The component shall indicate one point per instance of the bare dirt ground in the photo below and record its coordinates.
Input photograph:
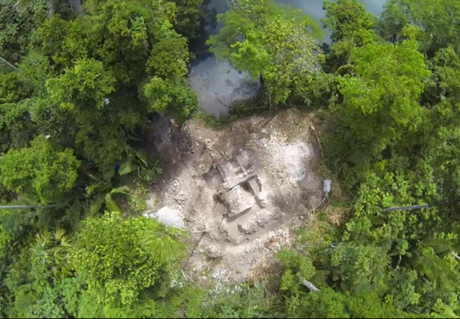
(282, 152)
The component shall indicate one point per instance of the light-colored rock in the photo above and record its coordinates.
(169, 217)
(263, 198)
(181, 197)
(238, 200)
(327, 185)
(261, 219)
(214, 252)
(248, 227)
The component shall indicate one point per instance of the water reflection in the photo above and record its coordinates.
(215, 82)
(218, 85)
(315, 7)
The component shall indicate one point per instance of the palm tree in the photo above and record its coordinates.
(50, 255)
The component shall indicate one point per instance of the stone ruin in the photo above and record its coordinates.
(241, 189)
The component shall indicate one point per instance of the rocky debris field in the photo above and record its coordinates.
(241, 191)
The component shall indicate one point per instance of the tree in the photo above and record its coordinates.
(187, 17)
(346, 18)
(331, 304)
(440, 134)
(326, 302)
(106, 102)
(275, 44)
(352, 26)
(120, 258)
(379, 100)
(74, 95)
(75, 5)
(358, 268)
(112, 267)
(16, 129)
(39, 170)
(77, 92)
(39, 280)
(438, 20)
(17, 31)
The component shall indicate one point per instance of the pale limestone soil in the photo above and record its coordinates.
(282, 151)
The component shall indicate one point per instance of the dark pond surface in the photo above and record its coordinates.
(215, 82)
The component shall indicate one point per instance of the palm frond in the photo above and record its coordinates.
(163, 247)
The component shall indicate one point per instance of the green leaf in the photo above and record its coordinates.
(90, 189)
(97, 204)
(111, 205)
(141, 157)
(439, 245)
(126, 168)
(120, 190)
(109, 201)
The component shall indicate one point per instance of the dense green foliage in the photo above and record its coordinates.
(76, 92)
(391, 145)
(78, 82)
(278, 46)
(389, 107)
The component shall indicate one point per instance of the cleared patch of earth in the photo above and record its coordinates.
(282, 189)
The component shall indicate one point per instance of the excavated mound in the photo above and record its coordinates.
(240, 190)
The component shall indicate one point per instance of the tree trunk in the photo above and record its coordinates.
(52, 8)
(25, 206)
(8, 63)
(310, 286)
(263, 92)
(76, 7)
(393, 209)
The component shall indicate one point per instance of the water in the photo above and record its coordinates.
(315, 7)
(216, 83)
